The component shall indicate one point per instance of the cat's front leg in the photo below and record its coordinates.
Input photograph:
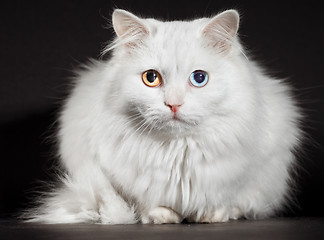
(161, 215)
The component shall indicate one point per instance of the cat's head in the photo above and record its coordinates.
(178, 76)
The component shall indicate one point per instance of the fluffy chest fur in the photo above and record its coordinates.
(188, 174)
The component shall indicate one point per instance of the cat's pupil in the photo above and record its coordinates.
(199, 77)
(151, 76)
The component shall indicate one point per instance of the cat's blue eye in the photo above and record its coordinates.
(198, 78)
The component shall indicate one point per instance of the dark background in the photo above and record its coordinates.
(41, 42)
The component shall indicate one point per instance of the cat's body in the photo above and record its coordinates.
(174, 151)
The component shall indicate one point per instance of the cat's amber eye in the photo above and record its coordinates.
(151, 78)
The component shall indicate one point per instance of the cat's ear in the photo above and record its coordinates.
(128, 27)
(221, 30)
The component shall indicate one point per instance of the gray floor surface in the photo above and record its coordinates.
(276, 228)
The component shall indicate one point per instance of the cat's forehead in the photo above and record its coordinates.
(175, 42)
(176, 29)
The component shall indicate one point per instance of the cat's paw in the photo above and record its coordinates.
(161, 215)
(236, 213)
(222, 215)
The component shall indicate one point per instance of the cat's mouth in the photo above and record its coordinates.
(166, 123)
(175, 118)
(175, 124)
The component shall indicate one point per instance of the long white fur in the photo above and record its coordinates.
(125, 155)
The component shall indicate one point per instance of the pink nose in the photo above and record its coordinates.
(173, 108)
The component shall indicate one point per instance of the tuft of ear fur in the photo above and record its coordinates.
(222, 29)
(129, 28)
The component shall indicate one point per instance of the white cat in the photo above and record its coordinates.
(178, 124)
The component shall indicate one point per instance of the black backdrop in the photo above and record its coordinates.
(42, 41)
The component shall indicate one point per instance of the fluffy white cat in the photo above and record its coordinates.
(178, 124)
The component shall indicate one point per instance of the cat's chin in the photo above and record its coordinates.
(176, 126)
(169, 125)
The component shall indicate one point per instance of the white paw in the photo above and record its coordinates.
(236, 213)
(222, 215)
(161, 215)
